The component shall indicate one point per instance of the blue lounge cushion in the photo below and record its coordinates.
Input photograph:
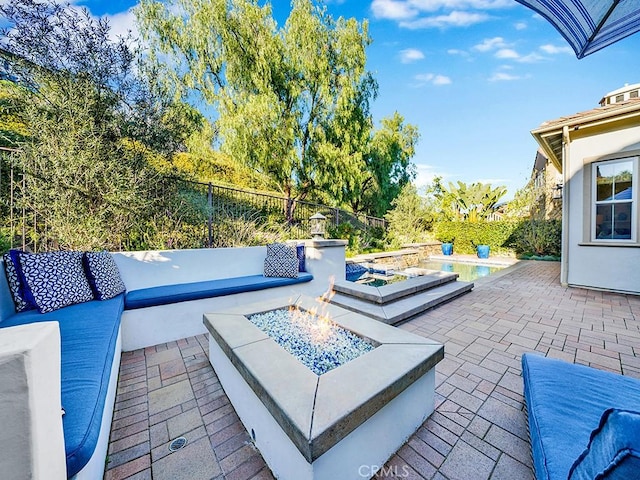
(614, 449)
(88, 335)
(182, 292)
(564, 404)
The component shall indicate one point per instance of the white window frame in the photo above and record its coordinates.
(634, 200)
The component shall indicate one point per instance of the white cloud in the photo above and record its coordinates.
(434, 5)
(520, 26)
(507, 53)
(554, 50)
(504, 77)
(410, 55)
(122, 23)
(533, 57)
(453, 19)
(425, 175)
(455, 51)
(489, 44)
(424, 79)
(393, 9)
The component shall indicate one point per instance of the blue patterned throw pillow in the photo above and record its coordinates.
(103, 275)
(302, 265)
(281, 261)
(15, 280)
(55, 279)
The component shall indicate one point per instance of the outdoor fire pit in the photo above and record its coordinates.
(322, 411)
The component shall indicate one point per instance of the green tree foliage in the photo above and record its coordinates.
(525, 203)
(408, 219)
(291, 101)
(389, 168)
(93, 130)
(471, 202)
(12, 127)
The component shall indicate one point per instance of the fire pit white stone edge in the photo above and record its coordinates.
(343, 424)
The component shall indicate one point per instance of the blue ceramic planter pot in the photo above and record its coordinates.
(447, 248)
(483, 251)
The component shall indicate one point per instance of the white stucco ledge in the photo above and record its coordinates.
(609, 244)
(324, 427)
(31, 438)
(324, 243)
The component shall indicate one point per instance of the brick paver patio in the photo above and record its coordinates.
(478, 430)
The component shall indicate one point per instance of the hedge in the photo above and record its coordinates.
(466, 235)
(524, 237)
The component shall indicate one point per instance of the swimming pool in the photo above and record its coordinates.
(467, 272)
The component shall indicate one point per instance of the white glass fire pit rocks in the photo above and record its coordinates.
(343, 424)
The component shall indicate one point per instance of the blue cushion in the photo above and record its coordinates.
(614, 449)
(565, 403)
(88, 334)
(182, 292)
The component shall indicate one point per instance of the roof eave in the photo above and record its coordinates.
(546, 134)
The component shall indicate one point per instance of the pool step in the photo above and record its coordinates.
(426, 280)
(405, 307)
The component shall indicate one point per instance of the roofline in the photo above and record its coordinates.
(609, 115)
(591, 120)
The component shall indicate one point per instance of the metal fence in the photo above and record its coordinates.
(219, 206)
(228, 203)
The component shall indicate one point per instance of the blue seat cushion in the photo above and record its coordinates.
(614, 449)
(88, 336)
(565, 403)
(182, 292)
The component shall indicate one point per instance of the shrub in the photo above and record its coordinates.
(537, 237)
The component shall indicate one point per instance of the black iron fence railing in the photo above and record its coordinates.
(226, 216)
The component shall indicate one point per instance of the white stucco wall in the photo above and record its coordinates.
(597, 266)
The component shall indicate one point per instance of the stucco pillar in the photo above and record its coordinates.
(31, 438)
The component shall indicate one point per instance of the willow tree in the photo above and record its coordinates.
(290, 101)
(91, 131)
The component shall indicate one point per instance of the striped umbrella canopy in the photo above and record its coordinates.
(589, 25)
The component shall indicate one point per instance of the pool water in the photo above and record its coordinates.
(467, 272)
(377, 281)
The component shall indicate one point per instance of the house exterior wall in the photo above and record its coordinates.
(588, 263)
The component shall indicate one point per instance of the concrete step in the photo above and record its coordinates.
(405, 307)
(426, 280)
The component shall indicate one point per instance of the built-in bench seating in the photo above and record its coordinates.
(93, 333)
(184, 292)
(90, 356)
(584, 423)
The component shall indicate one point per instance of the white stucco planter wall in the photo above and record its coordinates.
(325, 260)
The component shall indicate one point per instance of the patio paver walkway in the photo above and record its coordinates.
(478, 430)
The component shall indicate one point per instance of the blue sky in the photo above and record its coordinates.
(475, 77)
